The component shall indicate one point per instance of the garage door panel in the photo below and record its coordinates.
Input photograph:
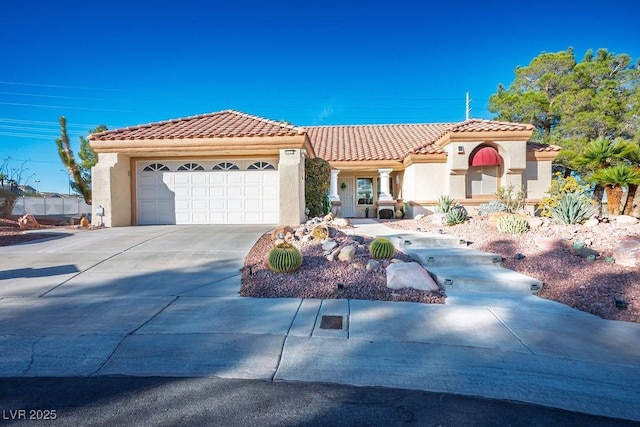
(252, 204)
(235, 204)
(253, 217)
(235, 177)
(252, 192)
(199, 178)
(236, 218)
(182, 178)
(269, 179)
(200, 205)
(202, 197)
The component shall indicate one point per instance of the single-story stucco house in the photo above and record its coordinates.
(230, 167)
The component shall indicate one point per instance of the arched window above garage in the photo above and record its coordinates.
(191, 167)
(226, 166)
(261, 166)
(153, 167)
(485, 156)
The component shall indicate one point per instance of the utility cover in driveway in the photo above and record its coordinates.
(331, 322)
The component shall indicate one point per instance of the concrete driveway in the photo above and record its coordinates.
(163, 301)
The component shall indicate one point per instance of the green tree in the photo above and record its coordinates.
(81, 173)
(572, 103)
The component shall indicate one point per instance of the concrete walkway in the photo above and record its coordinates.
(163, 301)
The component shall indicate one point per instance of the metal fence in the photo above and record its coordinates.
(57, 206)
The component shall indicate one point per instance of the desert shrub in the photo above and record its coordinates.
(381, 248)
(284, 258)
(491, 207)
(7, 201)
(512, 197)
(572, 208)
(513, 224)
(456, 215)
(559, 187)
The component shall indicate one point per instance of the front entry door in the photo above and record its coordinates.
(347, 196)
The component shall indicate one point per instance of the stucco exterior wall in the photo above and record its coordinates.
(538, 178)
(291, 197)
(425, 181)
(111, 183)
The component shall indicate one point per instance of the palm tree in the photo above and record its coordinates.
(614, 179)
(601, 154)
(633, 198)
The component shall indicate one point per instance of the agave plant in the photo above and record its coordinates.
(572, 208)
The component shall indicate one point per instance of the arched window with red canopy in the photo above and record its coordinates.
(484, 171)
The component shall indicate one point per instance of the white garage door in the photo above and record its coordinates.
(207, 192)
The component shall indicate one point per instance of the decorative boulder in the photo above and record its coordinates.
(627, 253)
(347, 253)
(329, 245)
(410, 275)
(28, 222)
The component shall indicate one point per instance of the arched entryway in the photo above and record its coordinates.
(483, 175)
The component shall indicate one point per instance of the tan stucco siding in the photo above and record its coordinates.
(111, 183)
(537, 178)
(291, 176)
(425, 181)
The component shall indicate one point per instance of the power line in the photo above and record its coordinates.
(58, 86)
(51, 96)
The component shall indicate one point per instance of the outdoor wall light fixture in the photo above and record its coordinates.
(431, 259)
(448, 282)
(460, 149)
(289, 152)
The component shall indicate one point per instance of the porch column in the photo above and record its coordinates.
(384, 184)
(333, 187)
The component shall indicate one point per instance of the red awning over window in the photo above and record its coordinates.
(486, 156)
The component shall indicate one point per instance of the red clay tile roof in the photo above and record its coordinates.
(375, 142)
(534, 146)
(480, 125)
(227, 123)
(394, 141)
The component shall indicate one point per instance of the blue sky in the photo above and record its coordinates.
(122, 63)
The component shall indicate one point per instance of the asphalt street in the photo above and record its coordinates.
(154, 401)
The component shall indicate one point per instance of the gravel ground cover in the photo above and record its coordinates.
(569, 279)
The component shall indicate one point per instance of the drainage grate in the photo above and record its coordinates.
(331, 322)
